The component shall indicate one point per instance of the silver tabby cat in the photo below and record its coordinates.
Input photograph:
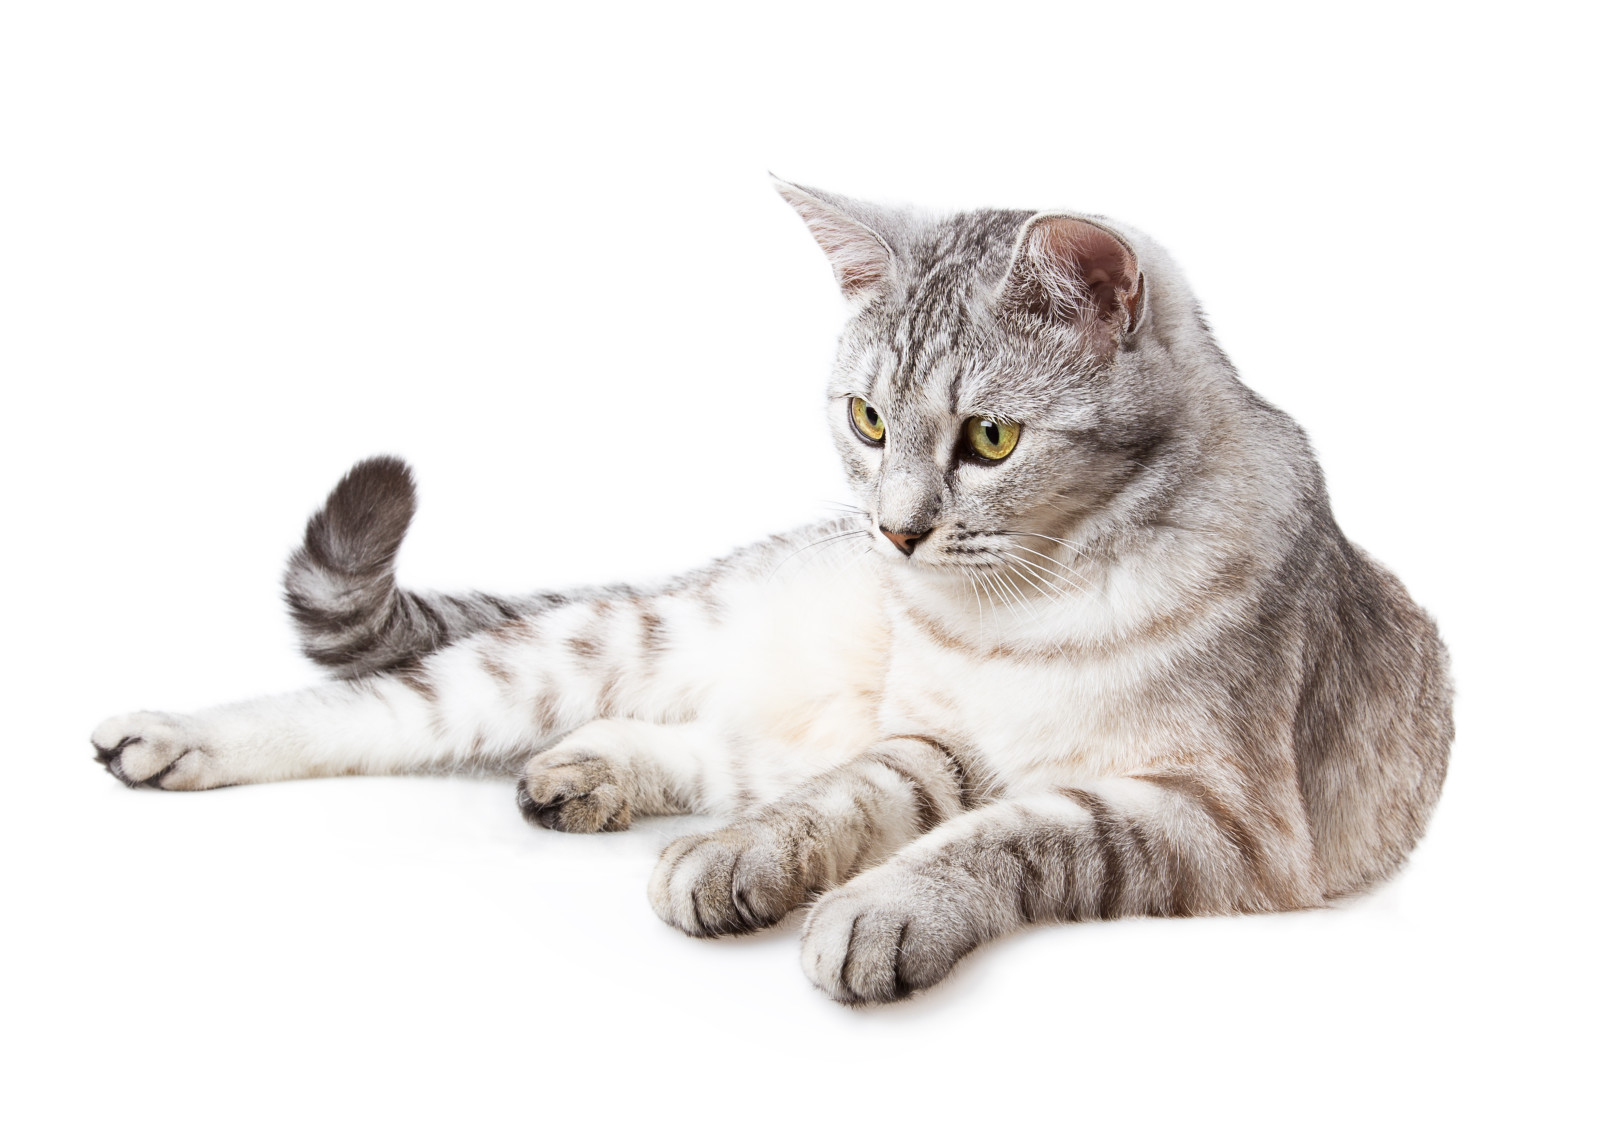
(1110, 654)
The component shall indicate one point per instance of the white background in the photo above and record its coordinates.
(537, 254)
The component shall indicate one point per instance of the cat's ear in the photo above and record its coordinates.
(860, 257)
(1079, 274)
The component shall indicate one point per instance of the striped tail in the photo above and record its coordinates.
(341, 589)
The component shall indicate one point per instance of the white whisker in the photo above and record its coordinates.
(1071, 574)
(1047, 589)
(812, 545)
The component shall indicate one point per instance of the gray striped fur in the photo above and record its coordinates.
(340, 584)
(1133, 669)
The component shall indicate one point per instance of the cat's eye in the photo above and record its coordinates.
(992, 439)
(868, 420)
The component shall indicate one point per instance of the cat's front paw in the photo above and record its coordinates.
(733, 880)
(155, 749)
(574, 792)
(886, 934)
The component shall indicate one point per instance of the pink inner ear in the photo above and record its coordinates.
(1091, 260)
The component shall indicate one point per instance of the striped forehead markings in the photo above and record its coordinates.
(935, 315)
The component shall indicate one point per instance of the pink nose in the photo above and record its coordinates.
(905, 542)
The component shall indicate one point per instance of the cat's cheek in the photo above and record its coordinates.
(887, 934)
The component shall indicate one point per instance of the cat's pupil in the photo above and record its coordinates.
(991, 432)
(872, 416)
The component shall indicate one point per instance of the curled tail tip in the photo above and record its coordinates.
(340, 581)
(361, 525)
(381, 483)
(353, 540)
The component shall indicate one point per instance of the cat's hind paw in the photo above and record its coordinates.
(574, 792)
(882, 937)
(153, 749)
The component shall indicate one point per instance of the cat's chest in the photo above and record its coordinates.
(1029, 718)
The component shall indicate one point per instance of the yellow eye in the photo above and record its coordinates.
(868, 421)
(992, 439)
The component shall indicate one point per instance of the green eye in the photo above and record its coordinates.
(868, 421)
(991, 438)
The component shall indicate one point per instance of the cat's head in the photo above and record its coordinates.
(1004, 384)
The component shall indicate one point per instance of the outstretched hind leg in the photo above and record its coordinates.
(606, 773)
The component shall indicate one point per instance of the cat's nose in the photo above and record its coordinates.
(905, 542)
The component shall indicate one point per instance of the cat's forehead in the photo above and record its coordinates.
(945, 278)
(957, 383)
(931, 342)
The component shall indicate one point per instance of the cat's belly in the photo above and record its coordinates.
(799, 671)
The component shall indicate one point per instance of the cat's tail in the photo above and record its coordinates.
(340, 584)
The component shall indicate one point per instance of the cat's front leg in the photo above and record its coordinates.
(752, 872)
(1160, 844)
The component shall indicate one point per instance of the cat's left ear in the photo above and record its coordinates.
(1079, 274)
(860, 257)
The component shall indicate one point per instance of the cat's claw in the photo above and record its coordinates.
(731, 881)
(151, 749)
(574, 793)
(883, 937)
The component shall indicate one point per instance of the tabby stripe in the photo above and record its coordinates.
(928, 813)
(436, 625)
(1228, 824)
(507, 612)
(546, 714)
(315, 614)
(418, 680)
(1030, 880)
(959, 769)
(494, 667)
(869, 826)
(650, 637)
(1147, 858)
(1106, 826)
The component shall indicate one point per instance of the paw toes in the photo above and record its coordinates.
(148, 750)
(108, 755)
(724, 883)
(574, 798)
(865, 947)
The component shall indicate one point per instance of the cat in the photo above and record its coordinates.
(1092, 645)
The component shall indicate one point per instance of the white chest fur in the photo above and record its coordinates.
(1032, 712)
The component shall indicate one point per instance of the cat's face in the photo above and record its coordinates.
(981, 402)
(967, 463)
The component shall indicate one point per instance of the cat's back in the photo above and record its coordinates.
(1374, 723)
